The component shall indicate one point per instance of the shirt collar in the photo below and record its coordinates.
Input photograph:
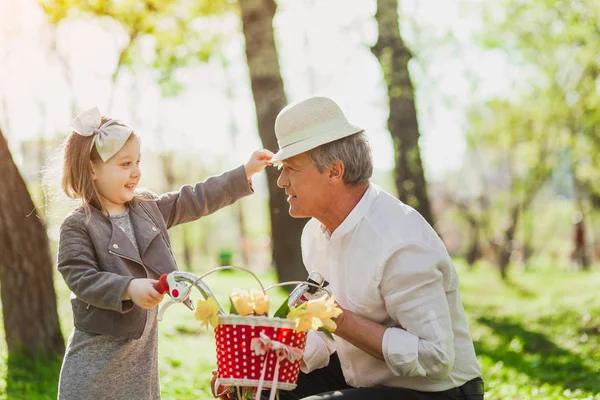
(357, 213)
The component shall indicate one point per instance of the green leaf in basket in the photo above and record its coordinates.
(282, 311)
(232, 309)
(326, 332)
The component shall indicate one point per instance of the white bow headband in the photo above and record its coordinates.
(109, 137)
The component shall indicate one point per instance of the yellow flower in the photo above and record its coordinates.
(207, 312)
(260, 302)
(324, 307)
(304, 319)
(329, 325)
(241, 300)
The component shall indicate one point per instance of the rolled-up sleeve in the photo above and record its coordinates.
(412, 285)
(77, 264)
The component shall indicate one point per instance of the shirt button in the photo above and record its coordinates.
(154, 229)
(115, 246)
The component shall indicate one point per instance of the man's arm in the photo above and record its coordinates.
(363, 333)
(422, 343)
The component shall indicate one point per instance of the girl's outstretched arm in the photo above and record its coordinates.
(192, 202)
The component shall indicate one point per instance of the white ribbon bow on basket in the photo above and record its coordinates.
(263, 345)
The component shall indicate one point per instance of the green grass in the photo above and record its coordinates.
(537, 337)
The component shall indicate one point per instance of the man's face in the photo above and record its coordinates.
(117, 178)
(306, 187)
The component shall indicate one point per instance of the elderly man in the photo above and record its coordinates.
(403, 333)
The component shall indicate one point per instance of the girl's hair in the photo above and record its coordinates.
(76, 181)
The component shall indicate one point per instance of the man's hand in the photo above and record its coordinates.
(221, 392)
(339, 321)
(142, 293)
(259, 160)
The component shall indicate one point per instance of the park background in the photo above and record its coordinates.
(482, 114)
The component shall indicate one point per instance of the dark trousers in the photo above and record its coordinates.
(329, 383)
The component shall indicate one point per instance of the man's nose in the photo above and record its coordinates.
(283, 181)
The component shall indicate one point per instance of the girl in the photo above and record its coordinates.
(114, 247)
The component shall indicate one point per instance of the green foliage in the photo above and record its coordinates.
(326, 332)
(556, 44)
(522, 147)
(522, 141)
(232, 309)
(283, 310)
(539, 136)
(178, 32)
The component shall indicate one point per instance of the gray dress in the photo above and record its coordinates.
(108, 367)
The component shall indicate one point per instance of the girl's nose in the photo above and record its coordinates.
(135, 171)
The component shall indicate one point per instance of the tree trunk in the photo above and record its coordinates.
(581, 246)
(504, 261)
(269, 99)
(505, 250)
(393, 56)
(528, 248)
(28, 297)
(474, 252)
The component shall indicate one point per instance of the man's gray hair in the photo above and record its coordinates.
(354, 151)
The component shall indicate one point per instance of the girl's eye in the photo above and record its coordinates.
(127, 164)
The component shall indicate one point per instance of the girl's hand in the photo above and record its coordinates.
(259, 160)
(143, 294)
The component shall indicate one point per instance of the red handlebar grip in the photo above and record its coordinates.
(162, 286)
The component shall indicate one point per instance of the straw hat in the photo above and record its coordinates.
(309, 123)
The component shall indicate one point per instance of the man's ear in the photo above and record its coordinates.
(336, 172)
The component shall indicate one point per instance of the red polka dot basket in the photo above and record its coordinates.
(249, 348)
(252, 351)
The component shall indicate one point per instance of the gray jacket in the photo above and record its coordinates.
(97, 259)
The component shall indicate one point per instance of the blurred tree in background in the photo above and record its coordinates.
(544, 135)
(269, 99)
(28, 298)
(523, 147)
(177, 32)
(393, 56)
(558, 41)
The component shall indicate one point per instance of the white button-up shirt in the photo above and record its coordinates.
(386, 263)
